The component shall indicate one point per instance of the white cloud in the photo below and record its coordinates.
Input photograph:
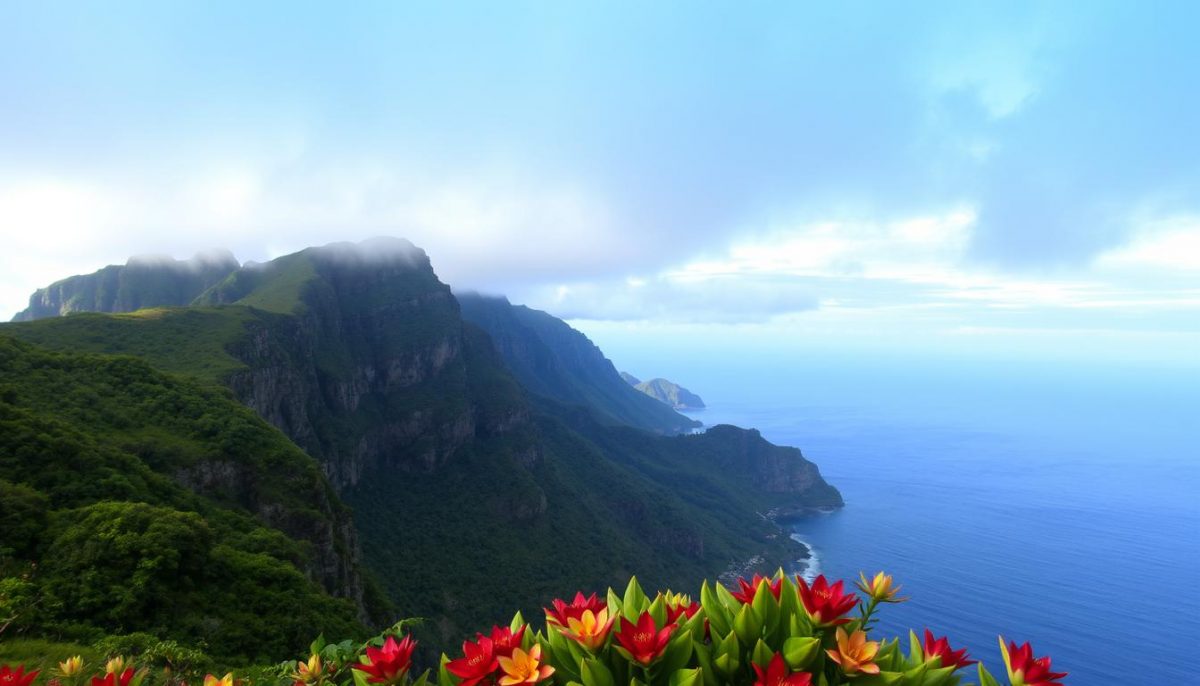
(1171, 244)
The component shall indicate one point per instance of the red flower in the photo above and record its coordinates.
(505, 640)
(940, 648)
(1024, 670)
(389, 664)
(776, 674)
(18, 677)
(478, 661)
(644, 642)
(562, 611)
(825, 603)
(749, 588)
(109, 679)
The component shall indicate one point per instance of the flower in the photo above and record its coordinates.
(561, 611)
(750, 588)
(679, 605)
(825, 603)
(940, 648)
(644, 642)
(504, 639)
(477, 663)
(113, 679)
(210, 680)
(524, 668)
(71, 666)
(115, 665)
(590, 630)
(309, 672)
(879, 588)
(17, 677)
(1024, 670)
(389, 664)
(777, 674)
(855, 653)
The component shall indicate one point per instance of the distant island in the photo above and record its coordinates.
(665, 391)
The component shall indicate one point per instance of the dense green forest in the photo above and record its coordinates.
(134, 501)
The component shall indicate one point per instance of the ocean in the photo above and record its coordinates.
(1051, 502)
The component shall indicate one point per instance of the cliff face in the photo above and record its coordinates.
(369, 369)
(141, 282)
(551, 359)
(670, 393)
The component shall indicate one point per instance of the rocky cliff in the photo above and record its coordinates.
(670, 393)
(144, 281)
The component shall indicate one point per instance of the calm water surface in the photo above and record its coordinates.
(1045, 502)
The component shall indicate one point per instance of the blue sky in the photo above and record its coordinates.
(1006, 175)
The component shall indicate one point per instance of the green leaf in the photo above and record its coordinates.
(916, 654)
(766, 607)
(444, 678)
(985, 678)
(799, 651)
(762, 654)
(678, 651)
(594, 673)
(704, 657)
(658, 611)
(686, 677)
(317, 645)
(746, 625)
(719, 618)
(635, 600)
(516, 622)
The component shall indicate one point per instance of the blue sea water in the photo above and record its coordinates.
(1054, 502)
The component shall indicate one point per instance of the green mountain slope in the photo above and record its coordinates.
(551, 359)
(161, 505)
(473, 489)
(141, 282)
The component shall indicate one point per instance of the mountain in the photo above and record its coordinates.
(671, 394)
(551, 359)
(141, 501)
(145, 281)
(488, 457)
(630, 379)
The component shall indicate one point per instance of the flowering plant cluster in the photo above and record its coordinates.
(776, 631)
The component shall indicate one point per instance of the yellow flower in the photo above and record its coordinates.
(522, 667)
(854, 654)
(115, 665)
(879, 588)
(308, 672)
(590, 630)
(226, 680)
(71, 666)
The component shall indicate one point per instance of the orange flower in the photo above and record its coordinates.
(524, 668)
(310, 672)
(590, 630)
(855, 653)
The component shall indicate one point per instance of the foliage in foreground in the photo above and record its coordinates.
(766, 632)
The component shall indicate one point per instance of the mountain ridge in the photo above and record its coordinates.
(363, 358)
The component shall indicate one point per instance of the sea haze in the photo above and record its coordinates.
(1048, 502)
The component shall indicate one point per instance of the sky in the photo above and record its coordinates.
(951, 176)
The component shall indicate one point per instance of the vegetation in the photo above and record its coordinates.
(775, 631)
(101, 535)
(461, 476)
